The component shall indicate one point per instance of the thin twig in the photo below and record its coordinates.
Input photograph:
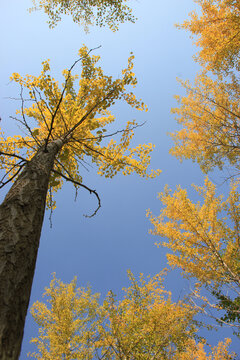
(115, 133)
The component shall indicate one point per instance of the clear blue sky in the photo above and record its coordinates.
(101, 249)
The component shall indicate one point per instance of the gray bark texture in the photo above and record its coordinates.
(21, 218)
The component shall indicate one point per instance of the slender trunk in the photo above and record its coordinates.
(21, 218)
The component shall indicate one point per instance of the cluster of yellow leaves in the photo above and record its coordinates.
(204, 242)
(218, 33)
(87, 12)
(197, 352)
(209, 115)
(145, 325)
(210, 112)
(78, 115)
(67, 322)
(10, 145)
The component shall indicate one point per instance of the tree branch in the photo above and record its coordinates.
(85, 187)
(87, 114)
(2, 184)
(114, 133)
(13, 155)
(25, 121)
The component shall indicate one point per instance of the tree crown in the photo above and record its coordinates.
(209, 116)
(78, 117)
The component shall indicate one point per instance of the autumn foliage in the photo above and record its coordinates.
(204, 236)
(67, 126)
(216, 32)
(86, 12)
(209, 119)
(204, 242)
(146, 324)
(209, 113)
(77, 115)
(64, 127)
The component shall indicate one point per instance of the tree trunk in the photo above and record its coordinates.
(21, 218)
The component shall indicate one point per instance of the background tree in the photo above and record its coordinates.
(217, 31)
(205, 237)
(64, 128)
(209, 117)
(209, 114)
(87, 12)
(204, 243)
(146, 324)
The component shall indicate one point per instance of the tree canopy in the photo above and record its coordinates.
(209, 113)
(204, 243)
(217, 31)
(87, 12)
(78, 116)
(146, 324)
(209, 119)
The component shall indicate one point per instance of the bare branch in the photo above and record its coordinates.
(85, 187)
(114, 133)
(17, 99)
(2, 184)
(51, 206)
(13, 155)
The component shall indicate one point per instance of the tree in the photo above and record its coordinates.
(86, 12)
(205, 244)
(210, 120)
(145, 324)
(205, 238)
(217, 30)
(209, 113)
(64, 128)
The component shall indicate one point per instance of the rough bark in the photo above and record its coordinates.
(21, 218)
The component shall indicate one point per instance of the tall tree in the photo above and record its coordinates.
(209, 114)
(144, 325)
(87, 12)
(65, 127)
(204, 236)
